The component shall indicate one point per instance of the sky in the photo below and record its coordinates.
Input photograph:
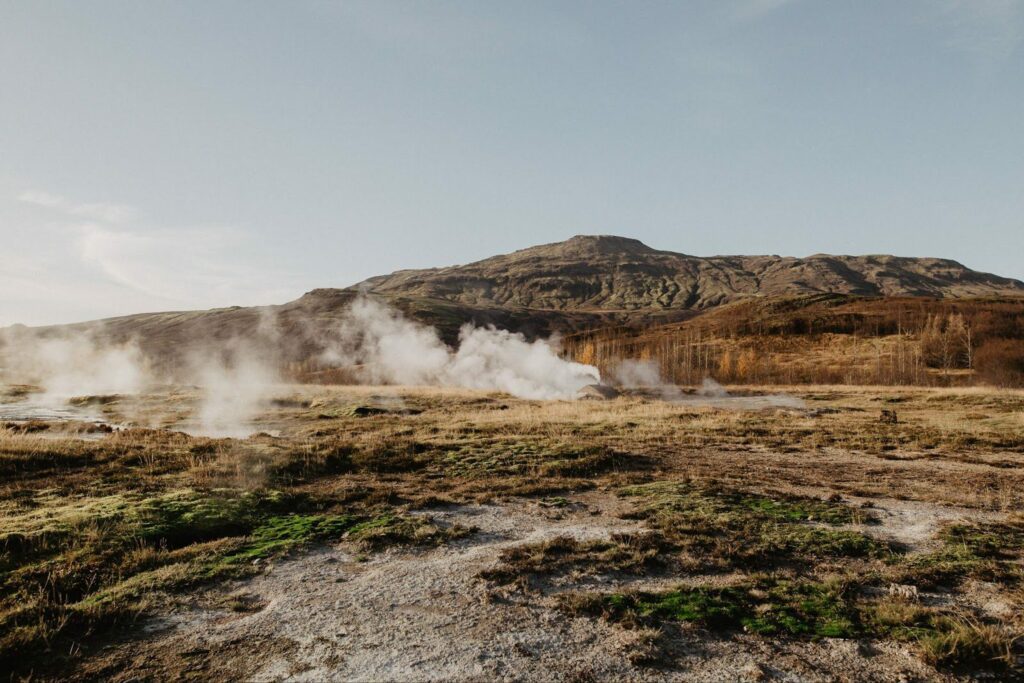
(194, 154)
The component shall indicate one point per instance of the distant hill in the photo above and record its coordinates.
(607, 273)
(583, 283)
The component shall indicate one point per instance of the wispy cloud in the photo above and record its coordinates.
(100, 259)
(98, 211)
(187, 266)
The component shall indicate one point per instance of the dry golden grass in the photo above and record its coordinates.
(91, 524)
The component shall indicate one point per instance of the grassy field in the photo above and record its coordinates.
(787, 524)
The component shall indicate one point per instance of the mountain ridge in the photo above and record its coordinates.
(607, 272)
(583, 283)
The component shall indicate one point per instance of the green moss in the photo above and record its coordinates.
(990, 552)
(283, 533)
(402, 530)
(709, 500)
(187, 517)
(768, 607)
(712, 528)
(994, 540)
(809, 542)
(730, 528)
(68, 568)
(544, 460)
(564, 554)
(808, 609)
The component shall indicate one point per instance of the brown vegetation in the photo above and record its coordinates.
(828, 339)
(592, 282)
(97, 530)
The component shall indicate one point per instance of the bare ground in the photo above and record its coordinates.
(332, 614)
(423, 610)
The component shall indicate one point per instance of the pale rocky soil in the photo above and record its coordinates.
(331, 614)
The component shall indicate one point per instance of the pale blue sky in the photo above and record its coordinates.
(168, 155)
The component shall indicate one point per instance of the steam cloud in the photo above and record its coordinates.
(645, 374)
(386, 348)
(236, 384)
(378, 344)
(709, 388)
(637, 374)
(71, 364)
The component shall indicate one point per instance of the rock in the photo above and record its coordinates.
(904, 592)
(597, 392)
(754, 672)
(97, 400)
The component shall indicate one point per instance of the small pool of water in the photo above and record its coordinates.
(28, 412)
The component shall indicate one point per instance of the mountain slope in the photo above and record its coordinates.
(586, 282)
(620, 274)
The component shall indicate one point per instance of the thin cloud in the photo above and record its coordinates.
(111, 264)
(98, 211)
(50, 201)
(187, 266)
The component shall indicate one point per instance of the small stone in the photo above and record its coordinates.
(905, 592)
(754, 672)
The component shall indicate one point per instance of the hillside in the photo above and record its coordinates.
(610, 273)
(584, 283)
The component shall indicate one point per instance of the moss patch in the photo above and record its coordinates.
(774, 606)
(70, 568)
(725, 528)
(767, 606)
(990, 552)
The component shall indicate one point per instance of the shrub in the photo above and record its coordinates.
(1001, 362)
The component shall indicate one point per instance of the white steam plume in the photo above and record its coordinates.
(72, 364)
(645, 374)
(237, 379)
(636, 374)
(235, 386)
(237, 375)
(712, 389)
(385, 347)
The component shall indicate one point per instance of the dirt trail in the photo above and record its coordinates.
(421, 616)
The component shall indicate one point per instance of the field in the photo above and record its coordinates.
(390, 532)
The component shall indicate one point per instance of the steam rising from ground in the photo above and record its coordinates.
(237, 376)
(236, 385)
(387, 348)
(637, 374)
(71, 364)
(375, 343)
(644, 374)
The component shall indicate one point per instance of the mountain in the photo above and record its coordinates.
(607, 273)
(583, 283)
